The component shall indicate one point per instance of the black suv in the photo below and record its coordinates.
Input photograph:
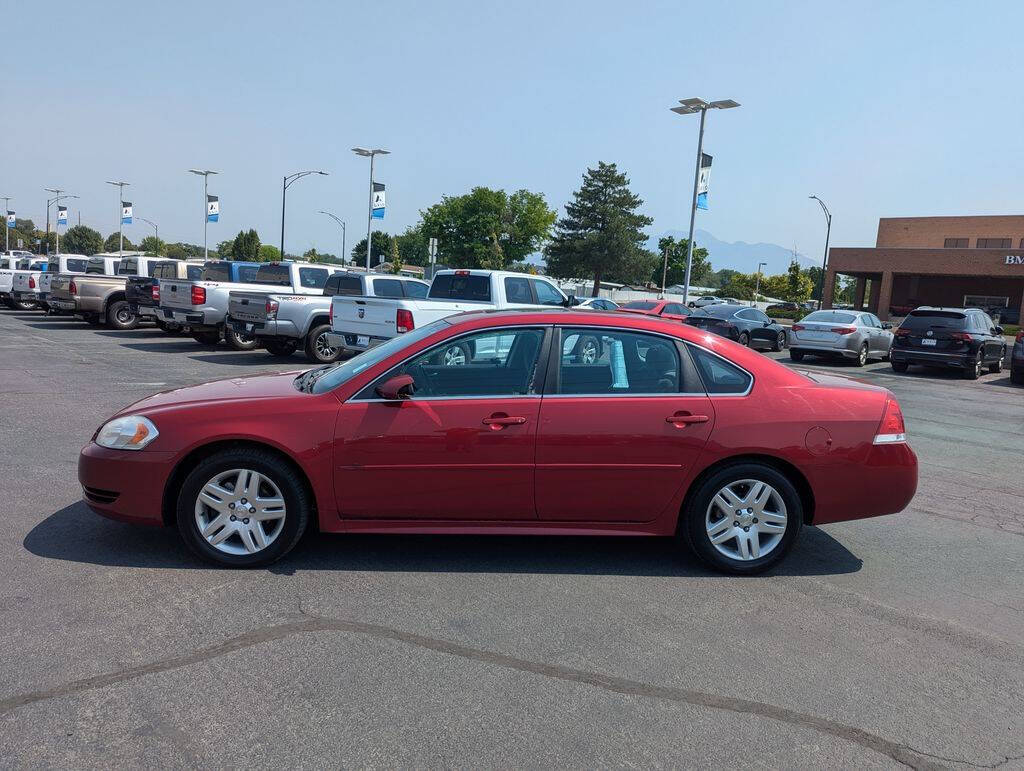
(965, 338)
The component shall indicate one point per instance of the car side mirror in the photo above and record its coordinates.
(571, 301)
(397, 388)
(886, 325)
(997, 330)
(770, 322)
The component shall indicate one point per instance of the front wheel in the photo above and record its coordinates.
(862, 356)
(997, 366)
(239, 341)
(120, 316)
(780, 342)
(1017, 375)
(743, 518)
(242, 507)
(898, 366)
(744, 339)
(317, 348)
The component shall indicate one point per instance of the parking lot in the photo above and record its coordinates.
(876, 643)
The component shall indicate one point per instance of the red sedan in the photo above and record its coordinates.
(670, 431)
(663, 309)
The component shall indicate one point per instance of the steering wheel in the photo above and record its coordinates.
(419, 376)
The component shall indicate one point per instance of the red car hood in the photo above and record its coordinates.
(268, 386)
(840, 381)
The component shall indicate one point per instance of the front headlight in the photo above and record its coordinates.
(132, 432)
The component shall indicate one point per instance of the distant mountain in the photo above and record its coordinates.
(739, 255)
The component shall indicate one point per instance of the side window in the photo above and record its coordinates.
(546, 294)
(387, 287)
(193, 272)
(312, 278)
(762, 317)
(598, 361)
(746, 314)
(500, 362)
(128, 267)
(517, 290)
(415, 289)
(719, 376)
(674, 309)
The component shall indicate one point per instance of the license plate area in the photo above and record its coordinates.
(363, 340)
(929, 342)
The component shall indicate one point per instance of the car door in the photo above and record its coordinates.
(618, 434)
(460, 448)
(762, 331)
(993, 343)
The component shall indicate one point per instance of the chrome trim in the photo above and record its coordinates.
(663, 395)
(446, 398)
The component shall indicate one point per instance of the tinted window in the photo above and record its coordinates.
(247, 274)
(278, 275)
(719, 376)
(675, 309)
(95, 266)
(164, 269)
(313, 278)
(415, 289)
(934, 319)
(517, 290)
(746, 314)
(640, 305)
(217, 271)
(500, 362)
(77, 266)
(610, 361)
(344, 284)
(455, 286)
(387, 287)
(717, 311)
(831, 317)
(194, 272)
(759, 316)
(546, 294)
(129, 267)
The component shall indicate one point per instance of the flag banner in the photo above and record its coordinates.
(703, 180)
(126, 212)
(10, 219)
(62, 215)
(212, 208)
(378, 201)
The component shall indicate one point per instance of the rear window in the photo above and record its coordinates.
(717, 311)
(831, 317)
(95, 267)
(934, 319)
(194, 272)
(452, 286)
(217, 271)
(415, 289)
(639, 305)
(167, 269)
(74, 266)
(387, 287)
(278, 275)
(350, 286)
(719, 376)
(247, 274)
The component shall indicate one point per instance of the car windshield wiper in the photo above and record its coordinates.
(306, 380)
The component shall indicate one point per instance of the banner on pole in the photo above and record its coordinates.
(432, 251)
(62, 215)
(703, 180)
(212, 208)
(377, 208)
(10, 219)
(126, 212)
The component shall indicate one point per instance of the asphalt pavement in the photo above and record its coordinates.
(896, 641)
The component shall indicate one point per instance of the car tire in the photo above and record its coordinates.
(239, 342)
(973, 370)
(281, 348)
(796, 355)
(743, 339)
(120, 316)
(207, 337)
(862, 356)
(1017, 375)
(997, 366)
(588, 350)
(780, 342)
(898, 366)
(316, 347)
(18, 305)
(276, 477)
(454, 355)
(703, 519)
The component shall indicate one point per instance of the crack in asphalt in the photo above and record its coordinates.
(900, 753)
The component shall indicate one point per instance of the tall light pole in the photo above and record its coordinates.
(687, 107)
(156, 233)
(342, 223)
(120, 217)
(284, 190)
(824, 259)
(366, 153)
(757, 287)
(205, 174)
(7, 228)
(57, 198)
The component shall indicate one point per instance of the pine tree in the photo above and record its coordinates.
(601, 235)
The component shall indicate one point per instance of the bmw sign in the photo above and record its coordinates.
(1015, 259)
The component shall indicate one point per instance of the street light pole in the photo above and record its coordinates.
(205, 174)
(688, 107)
(120, 219)
(58, 197)
(371, 154)
(156, 233)
(757, 287)
(7, 228)
(342, 223)
(285, 184)
(824, 259)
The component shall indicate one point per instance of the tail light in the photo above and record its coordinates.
(798, 327)
(73, 287)
(961, 337)
(1020, 337)
(330, 315)
(271, 309)
(844, 330)
(198, 295)
(892, 429)
(31, 282)
(403, 320)
(155, 292)
(462, 273)
(901, 332)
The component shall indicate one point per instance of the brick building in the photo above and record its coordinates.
(950, 261)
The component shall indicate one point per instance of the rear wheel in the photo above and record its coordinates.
(120, 316)
(239, 341)
(282, 348)
(780, 342)
(862, 356)
(243, 507)
(743, 518)
(796, 355)
(24, 306)
(898, 366)
(997, 366)
(207, 337)
(973, 370)
(744, 339)
(317, 348)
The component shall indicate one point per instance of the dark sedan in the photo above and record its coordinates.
(747, 326)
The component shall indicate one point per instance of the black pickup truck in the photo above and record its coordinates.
(143, 292)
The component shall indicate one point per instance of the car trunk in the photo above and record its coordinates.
(940, 331)
(817, 332)
(710, 323)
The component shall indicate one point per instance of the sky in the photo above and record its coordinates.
(881, 109)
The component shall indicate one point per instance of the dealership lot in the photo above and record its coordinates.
(886, 641)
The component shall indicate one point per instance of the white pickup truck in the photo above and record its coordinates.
(11, 268)
(283, 322)
(203, 305)
(71, 264)
(358, 323)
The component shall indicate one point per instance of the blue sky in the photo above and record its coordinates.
(882, 109)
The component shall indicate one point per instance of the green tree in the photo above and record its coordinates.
(798, 283)
(182, 251)
(151, 245)
(246, 245)
(82, 239)
(312, 255)
(113, 243)
(775, 286)
(739, 286)
(268, 253)
(601, 235)
(395, 258)
(413, 245)
(381, 249)
(700, 267)
(224, 248)
(487, 227)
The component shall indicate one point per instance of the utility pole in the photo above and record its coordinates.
(824, 259)
(285, 184)
(371, 154)
(205, 174)
(7, 227)
(757, 287)
(120, 214)
(342, 223)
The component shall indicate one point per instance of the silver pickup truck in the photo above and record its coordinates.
(283, 323)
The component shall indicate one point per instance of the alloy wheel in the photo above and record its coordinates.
(240, 511)
(862, 357)
(746, 520)
(323, 350)
(454, 357)
(123, 316)
(588, 352)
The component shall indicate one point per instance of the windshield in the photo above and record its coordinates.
(831, 316)
(346, 370)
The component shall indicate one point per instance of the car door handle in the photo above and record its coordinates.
(685, 418)
(500, 421)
